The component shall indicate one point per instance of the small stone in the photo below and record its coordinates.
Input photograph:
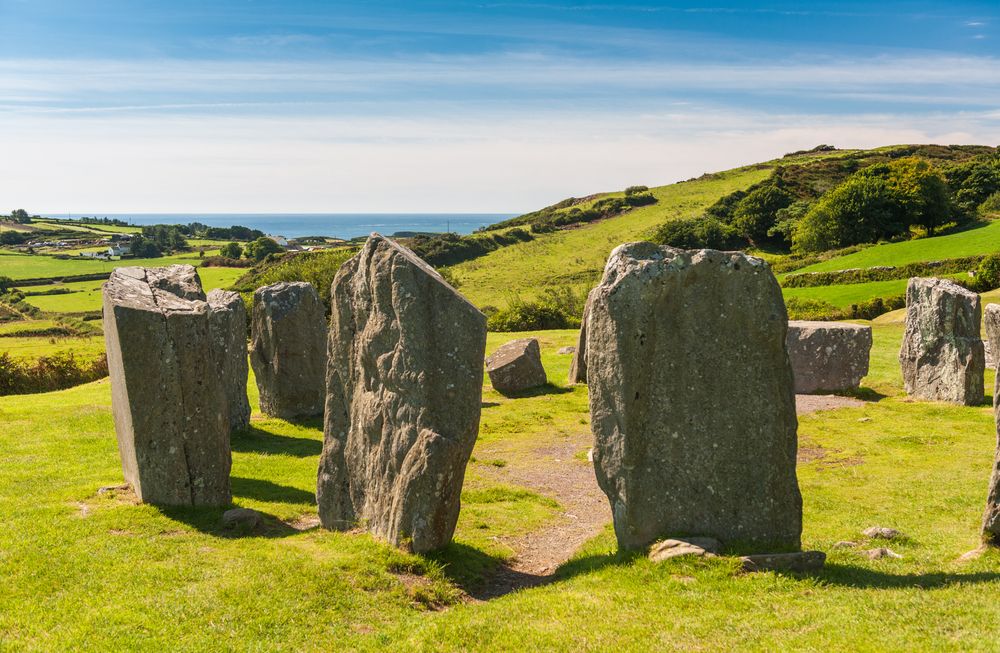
(881, 533)
(703, 547)
(241, 518)
(881, 552)
(566, 350)
(845, 544)
(113, 488)
(972, 555)
(516, 366)
(800, 561)
(829, 356)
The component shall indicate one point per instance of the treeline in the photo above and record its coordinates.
(568, 212)
(855, 199)
(47, 373)
(449, 249)
(235, 232)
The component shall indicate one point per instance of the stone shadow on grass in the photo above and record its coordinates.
(483, 576)
(257, 440)
(261, 490)
(864, 578)
(209, 521)
(547, 389)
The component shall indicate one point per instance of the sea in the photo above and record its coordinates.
(336, 225)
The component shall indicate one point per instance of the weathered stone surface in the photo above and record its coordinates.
(691, 398)
(802, 561)
(879, 553)
(241, 518)
(288, 349)
(516, 366)
(578, 366)
(881, 533)
(228, 323)
(404, 393)
(562, 351)
(687, 546)
(991, 517)
(942, 355)
(167, 397)
(828, 356)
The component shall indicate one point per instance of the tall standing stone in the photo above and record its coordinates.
(167, 397)
(404, 393)
(578, 366)
(828, 356)
(691, 398)
(942, 355)
(288, 349)
(991, 518)
(228, 322)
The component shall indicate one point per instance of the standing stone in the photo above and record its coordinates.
(228, 322)
(404, 393)
(578, 366)
(167, 397)
(991, 519)
(516, 366)
(288, 349)
(942, 355)
(828, 356)
(992, 322)
(691, 398)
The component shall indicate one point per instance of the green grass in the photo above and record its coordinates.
(85, 571)
(84, 347)
(86, 295)
(26, 266)
(981, 240)
(575, 257)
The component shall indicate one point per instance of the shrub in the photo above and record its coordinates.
(231, 251)
(991, 204)
(449, 249)
(317, 268)
(48, 373)
(557, 308)
(697, 233)
(261, 248)
(635, 190)
(988, 273)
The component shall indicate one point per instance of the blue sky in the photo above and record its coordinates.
(461, 106)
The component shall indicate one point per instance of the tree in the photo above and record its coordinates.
(20, 215)
(6, 283)
(259, 249)
(142, 247)
(756, 213)
(922, 193)
(231, 250)
(861, 210)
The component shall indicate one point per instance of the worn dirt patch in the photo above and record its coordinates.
(805, 404)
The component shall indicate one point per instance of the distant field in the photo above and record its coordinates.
(25, 266)
(88, 347)
(86, 295)
(981, 240)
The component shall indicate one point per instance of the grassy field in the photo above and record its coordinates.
(96, 571)
(575, 257)
(84, 347)
(86, 295)
(26, 266)
(981, 240)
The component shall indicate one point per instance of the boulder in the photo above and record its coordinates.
(228, 323)
(942, 356)
(828, 356)
(800, 561)
(882, 533)
(288, 349)
(516, 366)
(578, 365)
(404, 394)
(167, 396)
(691, 398)
(244, 518)
(991, 517)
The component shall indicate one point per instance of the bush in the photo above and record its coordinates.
(231, 250)
(317, 268)
(881, 273)
(48, 373)
(261, 248)
(557, 308)
(803, 308)
(991, 204)
(988, 273)
(223, 262)
(696, 233)
(449, 249)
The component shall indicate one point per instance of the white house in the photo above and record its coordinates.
(279, 239)
(119, 250)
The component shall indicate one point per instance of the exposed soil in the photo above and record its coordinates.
(556, 470)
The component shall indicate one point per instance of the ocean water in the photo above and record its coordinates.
(338, 225)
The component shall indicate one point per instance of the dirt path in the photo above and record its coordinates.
(556, 471)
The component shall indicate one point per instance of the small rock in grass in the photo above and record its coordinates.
(241, 517)
(113, 488)
(881, 552)
(702, 547)
(881, 533)
(566, 350)
(972, 555)
(801, 561)
(845, 544)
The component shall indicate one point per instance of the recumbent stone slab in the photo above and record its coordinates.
(991, 517)
(942, 355)
(404, 394)
(828, 356)
(168, 397)
(228, 322)
(691, 398)
(288, 349)
(516, 366)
